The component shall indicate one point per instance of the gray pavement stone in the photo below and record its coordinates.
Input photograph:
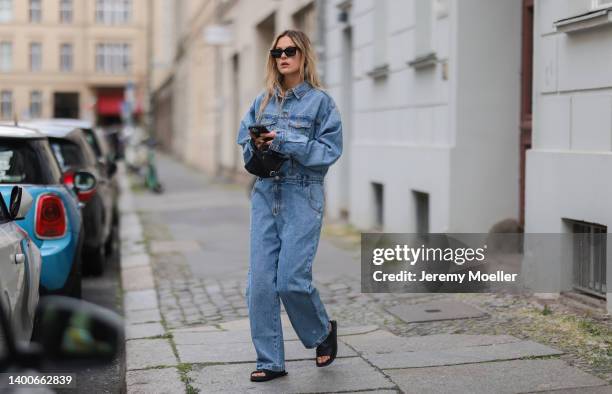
(382, 341)
(149, 353)
(135, 260)
(145, 330)
(516, 376)
(137, 278)
(245, 352)
(345, 375)
(607, 389)
(207, 334)
(140, 299)
(154, 381)
(462, 355)
(435, 310)
(132, 248)
(179, 246)
(132, 230)
(142, 316)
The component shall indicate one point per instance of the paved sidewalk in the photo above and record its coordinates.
(184, 267)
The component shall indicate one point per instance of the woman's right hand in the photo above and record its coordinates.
(260, 142)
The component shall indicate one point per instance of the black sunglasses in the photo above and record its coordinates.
(278, 52)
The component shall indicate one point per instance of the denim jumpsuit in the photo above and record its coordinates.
(286, 218)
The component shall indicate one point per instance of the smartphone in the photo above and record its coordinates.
(258, 129)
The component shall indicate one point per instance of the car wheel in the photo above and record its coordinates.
(96, 260)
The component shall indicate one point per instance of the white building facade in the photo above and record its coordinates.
(429, 96)
(569, 168)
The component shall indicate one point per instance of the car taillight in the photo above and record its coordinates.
(50, 217)
(68, 179)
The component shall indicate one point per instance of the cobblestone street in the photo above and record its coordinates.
(196, 237)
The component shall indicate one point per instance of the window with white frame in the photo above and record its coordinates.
(66, 57)
(6, 104)
(113, 12)
(35, 56)
(380, 32)
(35, 104)
(6, 10)
(66, 11)
(113, 58)
(35, 11)
(600, 4)
(423, 28)
(6, 56)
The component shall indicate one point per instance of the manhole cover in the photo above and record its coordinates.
(435, 310)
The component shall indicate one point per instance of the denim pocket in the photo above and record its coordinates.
(300, 124)
(316, 197)
(268, 120)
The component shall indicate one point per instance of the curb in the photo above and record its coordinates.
(150, 361)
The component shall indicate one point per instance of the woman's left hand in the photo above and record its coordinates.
(268, 137)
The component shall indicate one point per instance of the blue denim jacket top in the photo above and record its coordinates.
(308, 130)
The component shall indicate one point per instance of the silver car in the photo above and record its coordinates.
(20, 265)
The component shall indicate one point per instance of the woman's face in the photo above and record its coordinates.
(288, 65)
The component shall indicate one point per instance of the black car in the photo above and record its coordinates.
(74, 153)
(106, 160)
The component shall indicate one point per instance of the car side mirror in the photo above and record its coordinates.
(84, 182)
(20, 203)
(75, 332)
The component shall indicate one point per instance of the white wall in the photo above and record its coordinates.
(450, 130)
(569, 167)
(485, 160)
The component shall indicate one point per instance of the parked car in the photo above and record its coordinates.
(74, 335)
(74, 153)
(55, 223)
(106, 163)
(20, 264)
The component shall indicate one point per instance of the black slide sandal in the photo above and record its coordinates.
(269, 375)
(329, 347)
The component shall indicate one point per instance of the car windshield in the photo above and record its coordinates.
(19, 163)
(68, 154)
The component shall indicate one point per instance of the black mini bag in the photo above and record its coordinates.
(264, 163)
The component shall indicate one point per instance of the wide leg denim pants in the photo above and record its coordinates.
(286, 218)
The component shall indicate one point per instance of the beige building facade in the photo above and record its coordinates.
(206, 83)
(69, 58)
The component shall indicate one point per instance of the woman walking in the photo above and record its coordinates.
(286, 209)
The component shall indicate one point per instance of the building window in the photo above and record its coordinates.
(6, 10)
(35, 56)
(6, 56)
(421, 203)
(66, 57)
(306, 19)
(113, 12)
(600, 4)
(423, 29)
(6, 104)
(380, 33)
(35, 11)
(66, 11)
(35, 104)
(113, 58)
(379, 204)
(589, 257)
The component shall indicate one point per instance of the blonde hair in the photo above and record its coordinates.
(308, 66)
